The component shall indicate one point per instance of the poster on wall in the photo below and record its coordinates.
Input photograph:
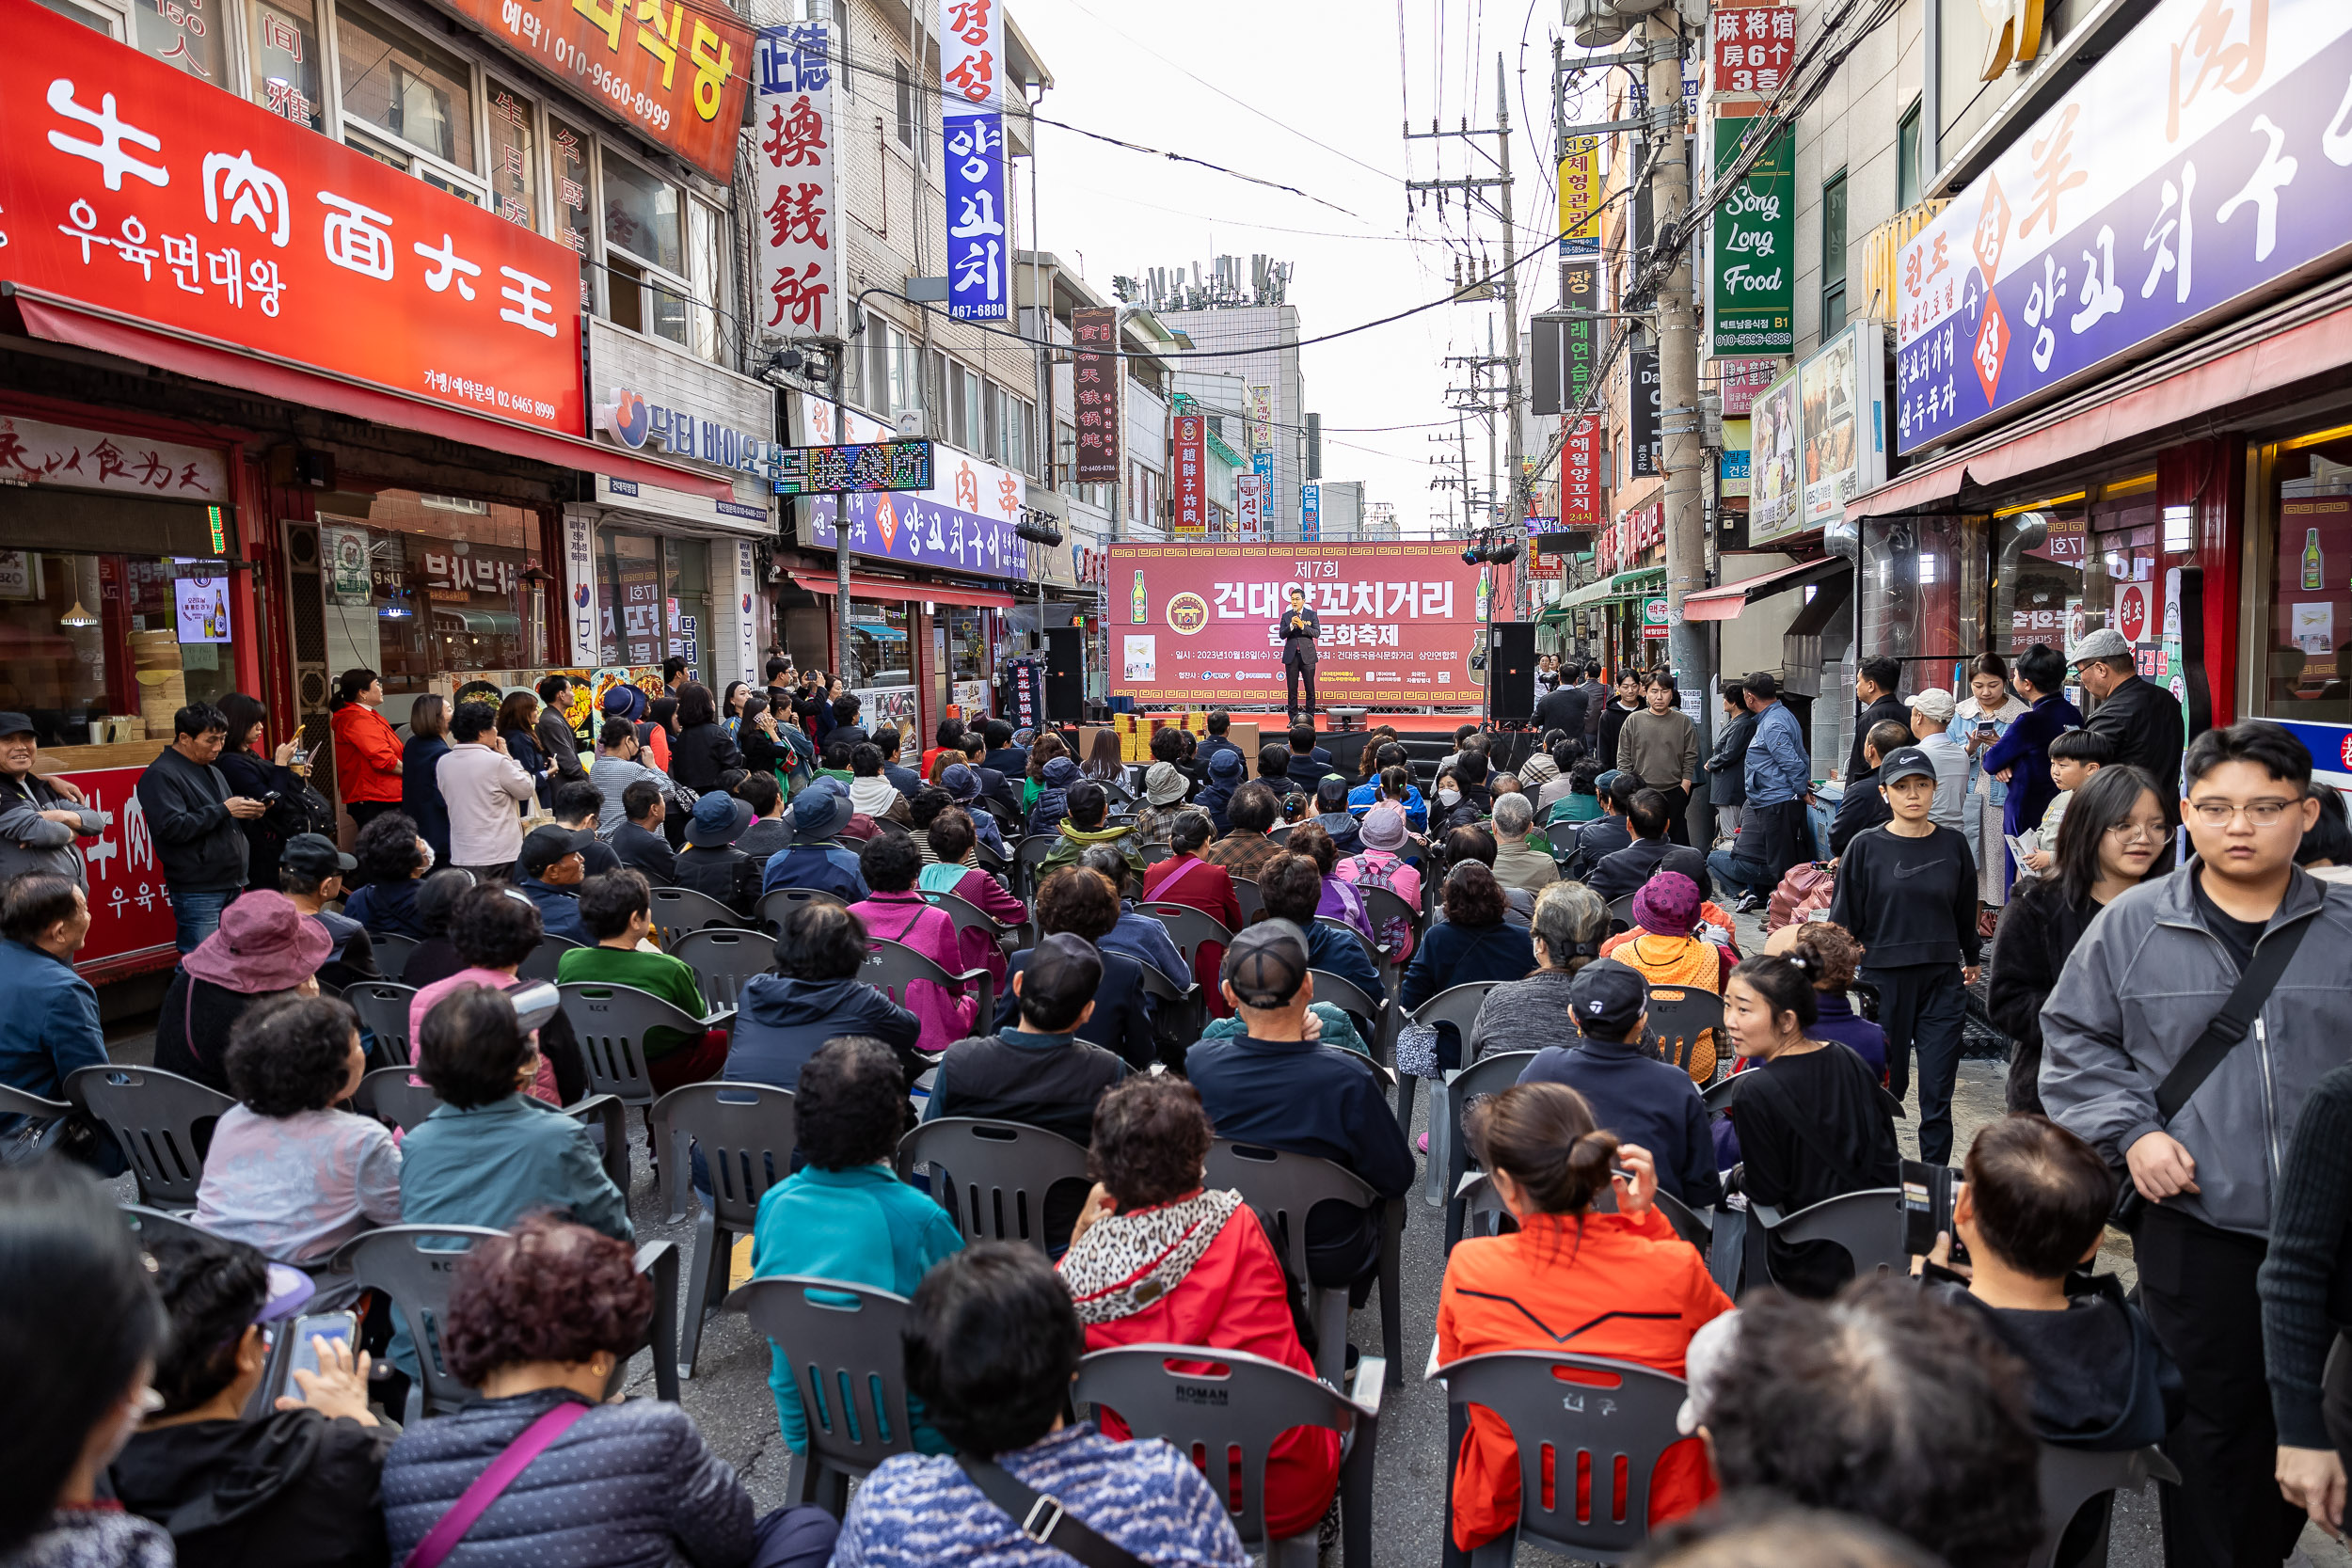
(345, 547)
(2314, 576)
(1842, 389)
(19, 575)
(1774, 464)
(203, 603)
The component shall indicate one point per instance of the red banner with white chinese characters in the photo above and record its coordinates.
(130, 919)
(135, 188)
(800, 262)
(1191, 488)
(1095, 375)
(672, 71)
(1579, 477)
(1751, 48)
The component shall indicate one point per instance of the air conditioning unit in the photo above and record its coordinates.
(914, 425)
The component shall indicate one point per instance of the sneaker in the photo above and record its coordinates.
(1747, 904)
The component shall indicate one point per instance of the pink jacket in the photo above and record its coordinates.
(484, 790)
(987, 894)
(907, 920)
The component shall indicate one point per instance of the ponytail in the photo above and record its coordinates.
(1784, 982)
(1543, 1135)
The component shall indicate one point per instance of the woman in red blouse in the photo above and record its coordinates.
(367, 749)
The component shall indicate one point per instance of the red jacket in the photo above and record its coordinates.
(1627, 1290)
(1208, 887)
(367, 754)
(1234, 1299)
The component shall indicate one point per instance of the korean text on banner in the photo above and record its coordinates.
(1580, 197)
(963, 522)
(579, 586)
(1751, 50)
(673, 70)
(972, 125)
(800, 260)
(135, 188)
(1753, 259)
(1191, 488)
(1311, 513)
(1643, 458)
(1399, 622)
(1250, 503)
(1261, 419)
(1095, 378)
(2201, 160)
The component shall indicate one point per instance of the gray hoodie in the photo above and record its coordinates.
(28, 842)
(2143, 984)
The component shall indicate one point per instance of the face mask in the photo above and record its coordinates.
(429, 857)
(1449, 797)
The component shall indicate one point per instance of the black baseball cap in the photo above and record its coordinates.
(544, 847)
(1905, 762)
(16, 723)
(314, 855)
(1063, 974)
(1605, 997)
(1266, 963)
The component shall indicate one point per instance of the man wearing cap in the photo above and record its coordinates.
(1277, 1086)
(552, 867)
(1633, 1094)
(1931, 725)
(2140, 719)
(38, 824)
(710, 863)
(1907, 891)
(311, 872)
(818, 859)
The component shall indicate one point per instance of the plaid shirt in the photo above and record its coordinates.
(1242, 854)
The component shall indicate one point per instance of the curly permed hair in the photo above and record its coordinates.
(548, 1291)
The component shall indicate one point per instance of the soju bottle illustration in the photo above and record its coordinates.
(1139, 603)
(2314, 564)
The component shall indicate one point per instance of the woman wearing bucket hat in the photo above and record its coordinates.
(264, 946)
(1164, 789)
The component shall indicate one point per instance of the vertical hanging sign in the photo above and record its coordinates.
(1580, 457)
(1192, 504)
(1310, 513)
(1580, 197)
(1753, 298)
(800, 264)
(972, 122)
(1095, 375)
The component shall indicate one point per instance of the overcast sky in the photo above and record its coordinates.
(1211, 79)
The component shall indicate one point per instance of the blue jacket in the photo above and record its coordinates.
(1146, 940)
(1777, 768)
(1343, 956)
(1122, 1014)
(50, 1025)
(420, 791)
(824, 866)
(863, 1225)
(780, 1022)
(491, 1164)
(2025, 748)
(1643, 1100)
(559, 908)
(1361, 799)
(388, 908)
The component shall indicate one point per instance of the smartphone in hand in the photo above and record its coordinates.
(319, 1326)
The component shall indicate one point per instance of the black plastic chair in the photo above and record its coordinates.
(1282, 1187)
(991, 1176)
(1458, 1006)
(1678, 1015)
(1621, 913)
(2072, 1478)
(611, 1022)
(391, 953)
(893, 967)
(1721, 1093)
(722, 961)
(677, 910)
(841, 1342)
(1178, 1015)
(1027, 855)
(1868, 1225)
(745, 1133)
(42, 1112)
(775, 908)
(1610, 1412)
(387, 1094)
(164, 1123)
(1349, 997)
(382, 1008)
(1188, 928)
(1231, 1407)
(1489, 1074)
(969, 916)
(540, 963)
(1252, 901)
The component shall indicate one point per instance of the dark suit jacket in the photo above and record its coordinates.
(1298, 647)
(648, 852)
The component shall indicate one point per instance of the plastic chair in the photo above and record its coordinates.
(969, 916)
(155, 1224)
(1486, 1075)
(162, 1121)
(2073, 1477)
(17, 1102)
(745, 1133)
(677, 910)
(775, 907)
(1253, 902)
(387, 1095)
(1720, 1095)
(841, 1342)
(1868, 1224)
(1180, 1016)
(1027, 854)
(382, 1006)
(1282, 1187)
(991, 1176)
(611, 1022)
(1154, 853)
(392, 954)
(1349, 997)
(1188, 928)
(1621, 913)
(540, 963)
(1232, 1406)
(1608, 1412)
(1697, 1226)
(895, 828)
(1677, 1015)
(1483, 1210)
(892, 966)
(1280, 832)
(1458, 1006)
(722, 961)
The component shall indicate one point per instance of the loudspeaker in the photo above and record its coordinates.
(1065, 675)
(1512, 671)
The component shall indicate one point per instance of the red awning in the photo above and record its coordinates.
(64, 321)
(1726, 603)
(900, 589)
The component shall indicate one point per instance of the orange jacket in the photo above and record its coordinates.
(1624, 1289)
(367, 754)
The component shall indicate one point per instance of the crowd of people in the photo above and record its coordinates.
(2177, 1070)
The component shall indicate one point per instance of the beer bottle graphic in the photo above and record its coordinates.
(1139, 603)
(2314, 564)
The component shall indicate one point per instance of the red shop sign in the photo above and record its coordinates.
(135, 188)
(1192, 507)
(673, 71)
(131, 925)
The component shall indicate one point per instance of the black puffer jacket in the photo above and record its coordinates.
(628, 1486)
(702, 753)
(2037, 934)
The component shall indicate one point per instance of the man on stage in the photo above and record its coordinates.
(1298, 629)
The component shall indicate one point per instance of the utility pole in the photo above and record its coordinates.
(1680, 452)
(1514, 508)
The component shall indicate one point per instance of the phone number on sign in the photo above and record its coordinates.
(487, 395)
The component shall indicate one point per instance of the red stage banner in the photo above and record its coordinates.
(1194, 624)
(135, 188)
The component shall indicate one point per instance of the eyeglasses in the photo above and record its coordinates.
(2262, 814)
(2134, 832)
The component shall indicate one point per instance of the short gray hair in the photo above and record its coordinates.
(1514, 813)
(1569, 916)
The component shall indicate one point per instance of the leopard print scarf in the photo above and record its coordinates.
(1125, 1262)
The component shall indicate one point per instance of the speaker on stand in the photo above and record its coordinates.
(1065, 675)
(1511, 672)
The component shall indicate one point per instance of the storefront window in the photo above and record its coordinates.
(2038, 575)
(630, 566)
(641, 215)
(427, 584)
(1921, 583)
(878, 637)
(283, 39)
(514, 157)
(398, 83)
(188, 34)
(686, 578)
(99, 648)
(2307, 597)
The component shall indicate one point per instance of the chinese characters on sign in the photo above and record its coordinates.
(133, 188)
(129, 914)
(1191, 487)
(674, 73)
(972, 125)
(1622, 544)
(800, 278)
(1580, 197)
(1751, 50)
(2191, 166)
(1261, 420)
(963, 521)
(1740, 380)
(1095, 377)
(1751, 261)
(34, 452)
(858, 469)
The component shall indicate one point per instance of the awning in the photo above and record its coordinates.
(66, 322)
(1625, 585)
(900, 590)
(1726, 603)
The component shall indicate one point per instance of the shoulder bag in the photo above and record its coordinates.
(2230, 1025)
(513, 1460)
(1041, 1518)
